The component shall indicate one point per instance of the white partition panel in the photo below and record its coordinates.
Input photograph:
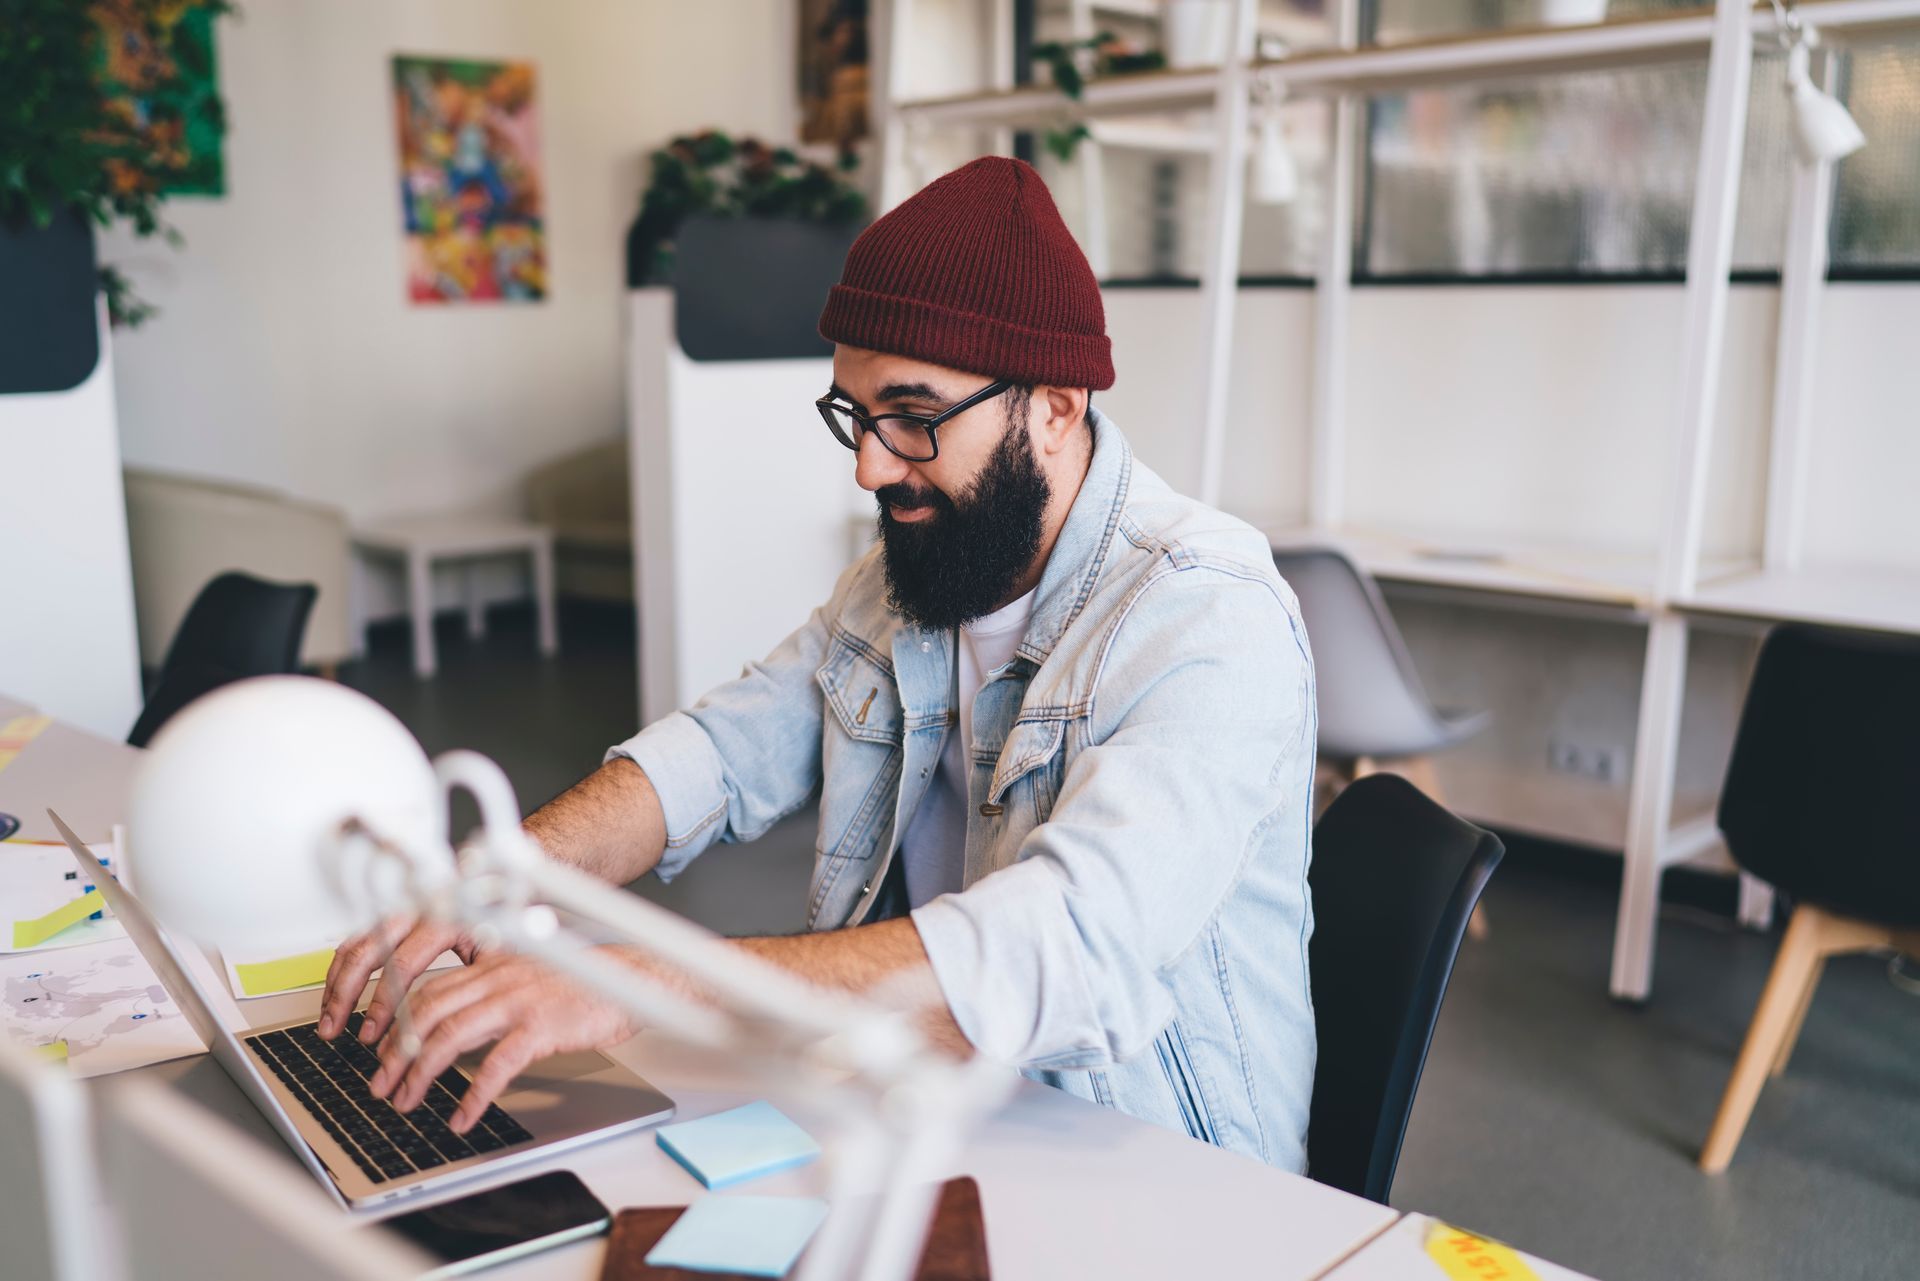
(68, 646)
(741, 505)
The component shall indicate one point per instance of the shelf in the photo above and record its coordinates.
(1501, 567)
(1873, 599)
(1616, 43)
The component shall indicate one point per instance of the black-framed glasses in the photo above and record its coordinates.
(910, 436)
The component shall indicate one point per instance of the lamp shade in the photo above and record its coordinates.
(1823, 129)
(235, 830)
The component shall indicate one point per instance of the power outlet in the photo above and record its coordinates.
(1585, 760)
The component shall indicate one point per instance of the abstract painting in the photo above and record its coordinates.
(470, 186)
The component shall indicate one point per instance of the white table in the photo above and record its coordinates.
(421, 541)
(85, 777)
(1403, 1252)
(1068, 1189)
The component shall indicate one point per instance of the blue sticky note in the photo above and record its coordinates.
(759, 1236)
(734, 1146)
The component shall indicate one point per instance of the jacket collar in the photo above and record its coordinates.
(1080, 552)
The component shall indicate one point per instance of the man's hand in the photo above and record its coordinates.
(529, 1009)
(406, 945)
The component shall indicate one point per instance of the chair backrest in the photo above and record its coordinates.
(197, 1198)
(48, 1182)
(238, 626)
(1394, 879)
(1370, 698)
(1822, 796)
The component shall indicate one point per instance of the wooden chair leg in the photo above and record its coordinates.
(1793, 970)
(328, 671)
(1792, 1037)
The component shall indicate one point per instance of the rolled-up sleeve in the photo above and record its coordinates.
(747, 754)
(1202, 713)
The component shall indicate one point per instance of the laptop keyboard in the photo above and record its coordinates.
(330, 1080)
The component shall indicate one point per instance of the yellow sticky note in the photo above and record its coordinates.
(263, 978)
(37, 931)
(17, 733)
(54, 1050)
(1466, 1257)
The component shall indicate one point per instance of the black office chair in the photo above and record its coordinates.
(238, 626)
(1821, 801)
(1394, 879)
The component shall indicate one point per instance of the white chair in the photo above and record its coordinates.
(186, 530)
(49, 1192)
(1375, 715)
(198, 1199)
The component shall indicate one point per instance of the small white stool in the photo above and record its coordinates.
(422, 540)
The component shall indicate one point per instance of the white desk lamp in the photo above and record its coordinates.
(1823, 129)
(284, 807)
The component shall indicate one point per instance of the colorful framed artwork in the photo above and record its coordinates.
(470, 182)
(155, 69)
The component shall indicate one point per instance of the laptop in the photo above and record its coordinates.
(365, 1153)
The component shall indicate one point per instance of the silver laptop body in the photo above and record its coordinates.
(560, 1102)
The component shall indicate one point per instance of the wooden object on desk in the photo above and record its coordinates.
(956, 1246)
(1813, 935)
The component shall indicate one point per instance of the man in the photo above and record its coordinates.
(1060, 722)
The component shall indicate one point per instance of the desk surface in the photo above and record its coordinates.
(1876, 599)
(85, 777)
(1068, 1189)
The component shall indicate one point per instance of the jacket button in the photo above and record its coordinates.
(925, 646)
(867, 888)
(990, 810)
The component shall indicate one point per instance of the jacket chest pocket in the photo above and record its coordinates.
(1028, 770)
(859, 751)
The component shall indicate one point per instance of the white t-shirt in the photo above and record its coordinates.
(935, 849)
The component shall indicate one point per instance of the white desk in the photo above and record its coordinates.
(1068, 1189)
(1886, 600)
(85, 777)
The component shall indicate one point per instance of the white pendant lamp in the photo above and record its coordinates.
(1276, 176)
(1823, 131)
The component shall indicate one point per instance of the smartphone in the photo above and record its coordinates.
(504, 1223)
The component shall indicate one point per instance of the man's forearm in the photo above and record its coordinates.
(608, 824)
(888, 954)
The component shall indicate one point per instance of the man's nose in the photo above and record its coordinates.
(875, 465)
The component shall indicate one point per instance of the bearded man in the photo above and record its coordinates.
(1060, 723)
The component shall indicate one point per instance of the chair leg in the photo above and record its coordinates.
(1792, 1037)
(1801, 951)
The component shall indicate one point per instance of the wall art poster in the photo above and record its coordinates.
(470, 183)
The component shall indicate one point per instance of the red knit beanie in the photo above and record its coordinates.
(976, 272)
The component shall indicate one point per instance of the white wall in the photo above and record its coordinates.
(287, 354)
(67, 645)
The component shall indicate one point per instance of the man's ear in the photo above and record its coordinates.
(1063, 412)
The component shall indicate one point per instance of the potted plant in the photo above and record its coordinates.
(71, 158)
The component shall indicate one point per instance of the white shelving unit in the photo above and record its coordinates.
(1666, 592)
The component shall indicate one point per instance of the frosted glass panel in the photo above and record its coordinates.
(1876, 211)
(1589, 174)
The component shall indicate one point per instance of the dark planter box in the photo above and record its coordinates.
(49, 340)
(752, 288)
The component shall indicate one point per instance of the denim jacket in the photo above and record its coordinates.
(1135, 919)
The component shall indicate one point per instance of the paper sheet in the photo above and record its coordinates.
(102, 1002)
(251, 975)
(40, 894)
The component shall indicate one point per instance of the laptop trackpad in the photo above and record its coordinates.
(555, 1067)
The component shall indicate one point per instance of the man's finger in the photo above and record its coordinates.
(435, 1000)
(408, 962)
(353, 963)
(506, 1061)
(466, 1029)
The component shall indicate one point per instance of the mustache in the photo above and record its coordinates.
(907, 498)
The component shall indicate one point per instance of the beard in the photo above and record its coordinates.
(962, 562)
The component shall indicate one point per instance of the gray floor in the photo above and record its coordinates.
(1549, 1115)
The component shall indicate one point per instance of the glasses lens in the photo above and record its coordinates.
(906, 437)
(841, 423)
